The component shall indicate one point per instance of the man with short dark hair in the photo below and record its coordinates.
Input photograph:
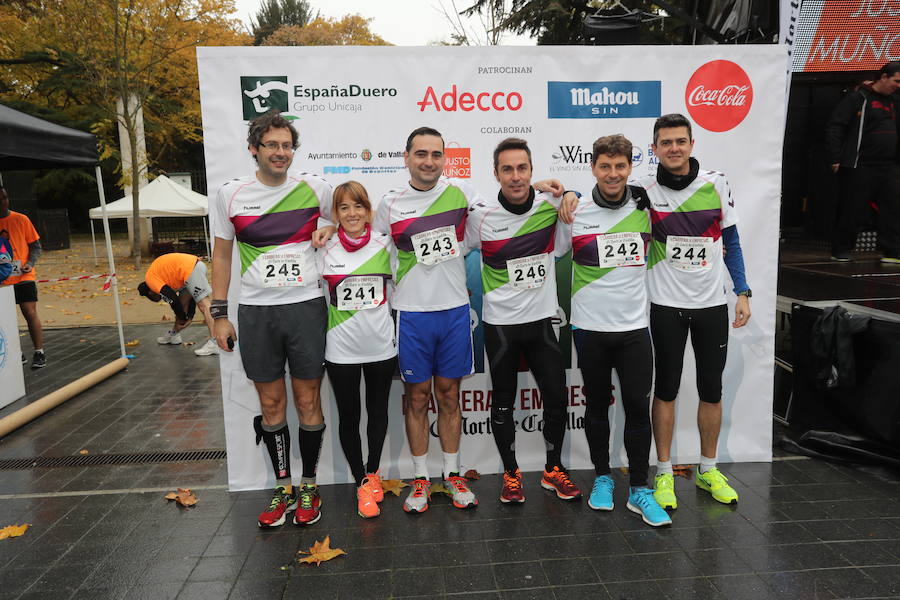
(426, 219)
(694, 239)
(272, 217)
(26, 250)
(861, 142)
(515, 232)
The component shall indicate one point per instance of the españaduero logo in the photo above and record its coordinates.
(603, 99)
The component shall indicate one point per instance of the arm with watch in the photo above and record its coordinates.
(221, 278)
(734, 261)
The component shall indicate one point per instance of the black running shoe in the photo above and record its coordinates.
(38, 361)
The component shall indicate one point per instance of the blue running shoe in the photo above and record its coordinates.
(602, 493)
(642, 502)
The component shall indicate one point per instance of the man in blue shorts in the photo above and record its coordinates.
(426, 219)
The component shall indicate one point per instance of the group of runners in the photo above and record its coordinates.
(330, 284)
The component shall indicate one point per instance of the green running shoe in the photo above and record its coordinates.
(665, 491)
(715, 483)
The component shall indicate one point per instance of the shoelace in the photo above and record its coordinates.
(601, 484)
(459, 483)
(642, 497)
(512, 482)
(715, 477)
(306, 498)
(419, 488)
(279, 497)
(563, 477)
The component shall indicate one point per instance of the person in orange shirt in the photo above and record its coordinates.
(26, 249)
(180, 280)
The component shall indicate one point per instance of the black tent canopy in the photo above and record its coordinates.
(27, 142)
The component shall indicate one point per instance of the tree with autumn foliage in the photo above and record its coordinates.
(81, 56)
(350, 30)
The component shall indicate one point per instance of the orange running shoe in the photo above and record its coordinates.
(366, 506)
(558, 481)
(512, 488)
(375, 485)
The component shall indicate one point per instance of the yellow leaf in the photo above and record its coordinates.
(393, 485)
(183, 496)
(438, 488)
(11, 531)
(189, 343)
(87, 317)
(320, 552)
(132, 343)
(83, 452)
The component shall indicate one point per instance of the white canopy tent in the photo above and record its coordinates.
(162, 197)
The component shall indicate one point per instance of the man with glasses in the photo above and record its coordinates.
(282, 315)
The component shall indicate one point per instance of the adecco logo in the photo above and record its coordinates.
(468, 101)
(458, 161)
(718, 95)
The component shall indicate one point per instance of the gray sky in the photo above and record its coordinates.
(400, 22)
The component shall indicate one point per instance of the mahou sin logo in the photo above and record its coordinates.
(719, 95)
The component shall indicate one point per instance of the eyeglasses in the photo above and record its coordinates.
(274, 146)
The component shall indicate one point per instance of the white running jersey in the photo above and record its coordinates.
(360, 328)
(609, 252)
(273, 227)
(428, 229)
(685, 262)
(518, 269)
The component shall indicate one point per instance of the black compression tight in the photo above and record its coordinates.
(631, 355)
(345, 383)
(537, 342)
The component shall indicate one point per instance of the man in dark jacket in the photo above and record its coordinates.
(861, 141)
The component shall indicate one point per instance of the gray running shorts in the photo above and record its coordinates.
(196, 283)
(269, 335)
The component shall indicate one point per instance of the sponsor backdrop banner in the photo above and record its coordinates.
(12, 380)
(354, 108)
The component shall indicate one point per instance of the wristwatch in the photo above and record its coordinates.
(746, 292)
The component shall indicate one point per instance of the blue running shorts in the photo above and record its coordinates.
(434, 343)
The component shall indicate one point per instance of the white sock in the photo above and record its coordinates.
(451, 463)
(707, 463)
(41, 350)
(664, 467)
(420, 466)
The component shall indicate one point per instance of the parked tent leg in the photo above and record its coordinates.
(206, 239)
(112, 263)
(93, 242)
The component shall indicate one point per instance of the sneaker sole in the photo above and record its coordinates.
(731, 502)
(367, 516)
(509, 501)
(561, 496)
(305, 523)
(610, 507)
(281, 521)
(38, 366)
(414, 511)
(638, 511)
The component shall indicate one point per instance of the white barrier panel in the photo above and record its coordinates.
(12, 380)
(354, 108)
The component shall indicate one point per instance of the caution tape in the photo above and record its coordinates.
(106, 284)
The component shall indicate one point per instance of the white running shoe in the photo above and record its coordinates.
(207, 349)
(169, 338)
(460, 493)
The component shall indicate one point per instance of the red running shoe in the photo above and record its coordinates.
(309, 505)
(558, 481)
(512, 488)
(275, 514)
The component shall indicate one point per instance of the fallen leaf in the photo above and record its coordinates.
(83, 451)
(87, 317)
(438, 488)
(472, 475)
(165, 317)
(393, 485)
(624, 470)
(82, 340)
(682, 471)
(11, 531)
(189, 343)
(184, 497)
(132, 343)
(320, 552)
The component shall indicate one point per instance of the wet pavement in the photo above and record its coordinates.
(804, 528)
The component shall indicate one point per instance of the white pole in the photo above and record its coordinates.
(206, 239)
(93, 241)
(112, 262)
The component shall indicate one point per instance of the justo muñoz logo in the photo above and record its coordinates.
(719, 95)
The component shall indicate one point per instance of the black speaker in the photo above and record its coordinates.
(612, 28)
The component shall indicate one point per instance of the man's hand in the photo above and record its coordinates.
(224, 330)
(322, 235)
(741, 312)
(554, 186)
(567, 208)
(835, 167)
(26, 268)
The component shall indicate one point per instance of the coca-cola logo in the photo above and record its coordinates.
(719, 95)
